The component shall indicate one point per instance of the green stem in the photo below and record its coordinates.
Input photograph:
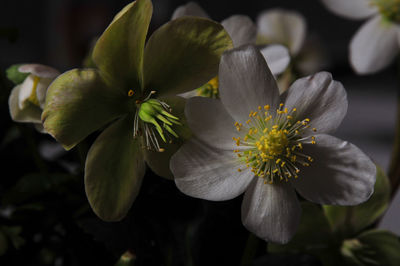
(250, 250)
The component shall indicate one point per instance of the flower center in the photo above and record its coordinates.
(210, 89)
(154, 115)
(389, 9)
(272, 144)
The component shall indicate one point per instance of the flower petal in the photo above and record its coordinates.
(319, 98)
(205, 172)
(183, 54)
(211, 123)
(159, 161)
(114, 171)
(30, 113)
(77, 103)
(341, 174)
(353, 9)
(245, 82)
(283, 27)
(119, 51)
(277, 57)
(190, 9)
(374, 46)
(39, 70)
(271, 211)
(241, 29)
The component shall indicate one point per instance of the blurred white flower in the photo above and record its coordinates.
(27, 99)
(243, 31)
(273, 148)
(376, 43)
(289, 28)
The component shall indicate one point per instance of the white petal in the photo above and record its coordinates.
(245, 82)
(25, 91)
(208, 173)
(190, 9)
(210, 122)
(271, 211)
(189, 94)
(319, 98)
(283, 27)
(353, 9)
(277, 57)
(341, 174)
(241, 29)
(39, 70)
(374, 46)
(30, 113)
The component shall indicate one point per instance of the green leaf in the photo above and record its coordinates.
(183, 54)
(77, 103)
(14, 75)
(350, 220)
(30, 114)
(114, 170)
(374, 247)
(119, 51)
(306, 239)
(159, 161)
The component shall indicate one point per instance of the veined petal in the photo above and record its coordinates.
(353, 9)
(211, 123)
(283, 27)
(114, 171)
(374, 46)
(39, 70)
(159, 161)
(77, 103)
(183, 54)
(271, 211)
(190, 9)
(245, 82)
(29, 114)
(341, 174)
(277, 57)
(319, 98)
(241, 29)
(205, 172)
(119, 51)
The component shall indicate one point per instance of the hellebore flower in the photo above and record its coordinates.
(132, 95)
(377, 42)
(243, 31)
(272, 149)
(27, 98)
(289, 28)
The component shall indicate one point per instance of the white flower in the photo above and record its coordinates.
(289, 28)
(243, 31)
(250, 142)
(376, 43)
(27, 99)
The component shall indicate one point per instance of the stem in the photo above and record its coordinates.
(394, 170)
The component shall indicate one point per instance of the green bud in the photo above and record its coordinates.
(14, 75)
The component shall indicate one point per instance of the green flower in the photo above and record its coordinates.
(132, 94)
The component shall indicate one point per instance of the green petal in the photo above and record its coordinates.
(30, 113)
(77, 103)
(374, 247)
(159, 161)
(350, 220)
(119, 51)
(114, 171)
(183, 54)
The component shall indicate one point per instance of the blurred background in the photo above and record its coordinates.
(59, 34)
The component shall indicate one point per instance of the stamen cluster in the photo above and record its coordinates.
(389, 9)
(210, 89)
(272, 145)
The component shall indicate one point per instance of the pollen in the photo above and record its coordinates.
(272, 143)
(210, 89)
